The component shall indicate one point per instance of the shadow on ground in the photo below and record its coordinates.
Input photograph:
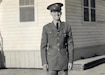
(98, 70)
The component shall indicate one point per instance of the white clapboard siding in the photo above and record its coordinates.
(24, 35)
(86, 34)
(21, 40)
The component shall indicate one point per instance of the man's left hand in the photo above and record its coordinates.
(70, 66)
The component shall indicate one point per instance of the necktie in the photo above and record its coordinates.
(57, 26)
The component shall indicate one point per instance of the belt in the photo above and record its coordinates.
(56, 47)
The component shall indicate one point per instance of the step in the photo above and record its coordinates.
(87, 63)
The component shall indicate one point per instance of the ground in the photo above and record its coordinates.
(98, 70)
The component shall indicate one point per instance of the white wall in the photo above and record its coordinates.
(16, 35)
(26, 35)
(21, 41)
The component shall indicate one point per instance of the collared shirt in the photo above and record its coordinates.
(55, 23)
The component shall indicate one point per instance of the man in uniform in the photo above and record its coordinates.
(57, 43)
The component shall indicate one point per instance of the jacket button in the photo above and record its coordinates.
(58, 44)
(58, 49)
(65, 43)
(58, 38)
(48, 53)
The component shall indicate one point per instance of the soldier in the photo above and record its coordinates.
(57, 43)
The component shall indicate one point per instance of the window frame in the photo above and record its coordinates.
(24, 6)
(89, 7)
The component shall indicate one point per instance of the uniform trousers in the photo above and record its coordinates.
(55, 72)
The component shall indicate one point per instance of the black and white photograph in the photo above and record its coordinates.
(52, 37)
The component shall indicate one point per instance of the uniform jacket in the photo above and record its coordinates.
(57, 46)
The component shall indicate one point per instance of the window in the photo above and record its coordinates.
(89, 10)
(26, 10)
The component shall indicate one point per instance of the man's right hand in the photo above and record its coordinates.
(45, 67)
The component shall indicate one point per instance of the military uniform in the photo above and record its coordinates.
(57, 46)
(56, 43)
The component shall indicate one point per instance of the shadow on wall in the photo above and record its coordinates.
(2, 60)
(88, 52)
(2, 57)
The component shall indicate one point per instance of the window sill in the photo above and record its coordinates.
(89, 23)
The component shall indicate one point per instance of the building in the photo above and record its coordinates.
(21, 23)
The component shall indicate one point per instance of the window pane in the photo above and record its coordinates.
(21, 2)
(86, 14)
(26, 14)
(26, 2)
(93, 3)
(93, 15)
(86, 3)
(31, 2)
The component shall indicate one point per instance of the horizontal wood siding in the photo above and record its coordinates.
(18, 35)
(21, 40)
(89, 38)
(87, 52)
(24, 35)
(101, 12)
(86, 34)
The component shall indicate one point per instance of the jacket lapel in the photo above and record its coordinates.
(53, 27)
